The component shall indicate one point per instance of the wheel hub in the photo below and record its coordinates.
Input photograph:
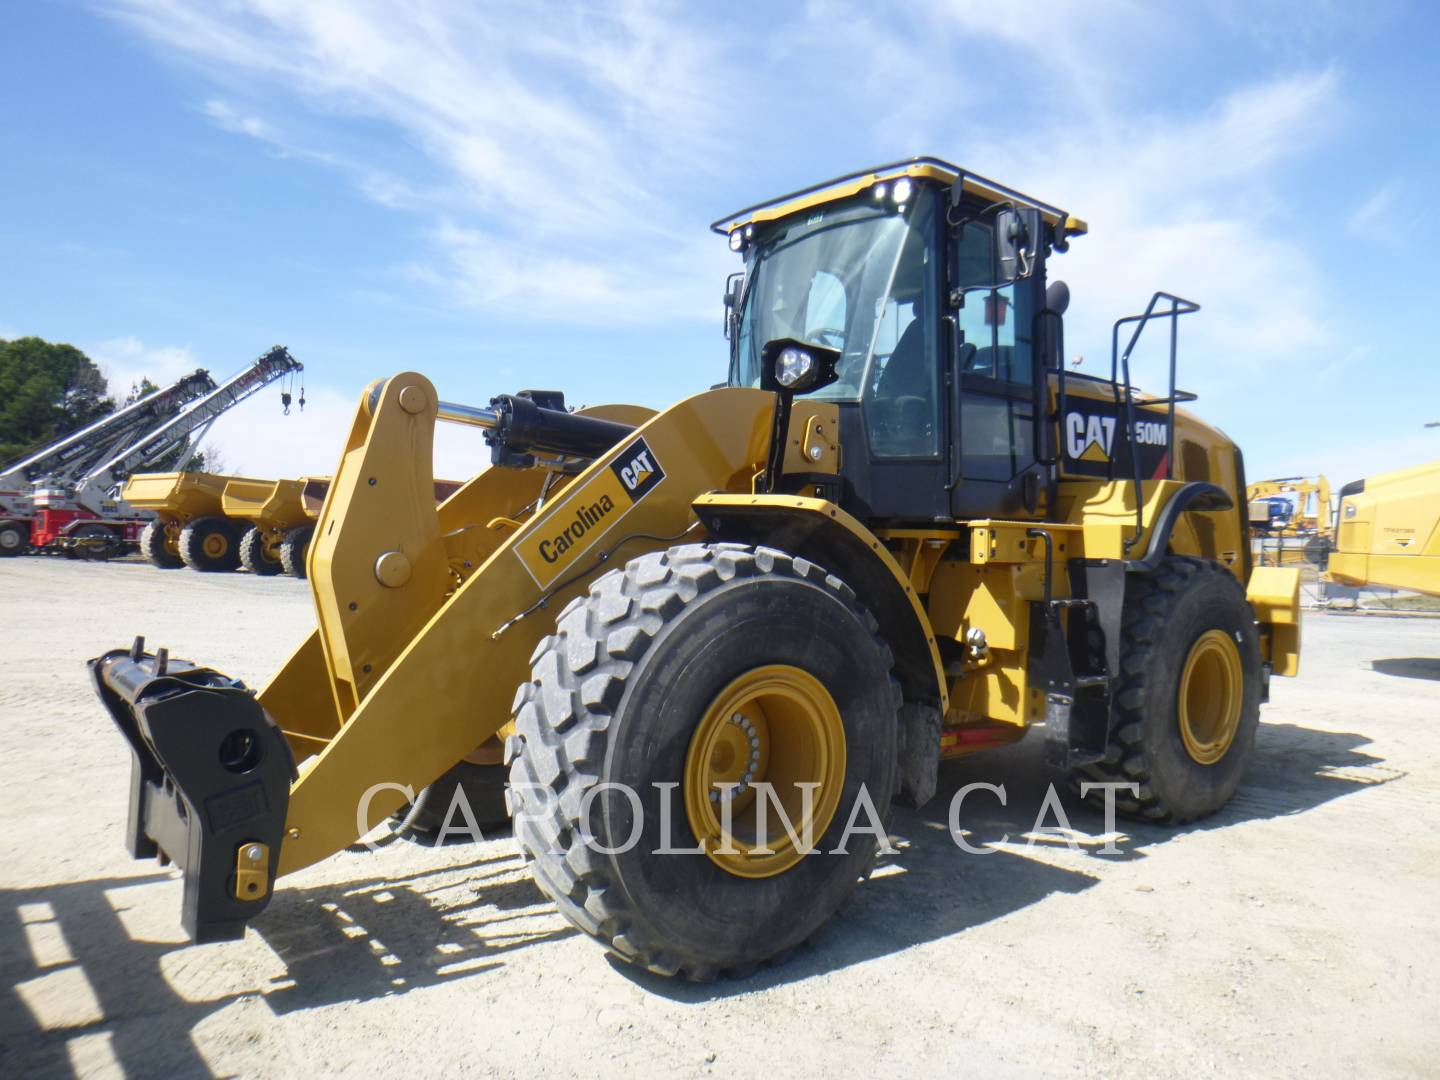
(775, 726)
(1210, 697)
(215, 545)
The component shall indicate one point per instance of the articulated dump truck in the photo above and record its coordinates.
(280, 517)
(190, 527)
(718, 641)
(1389, 531)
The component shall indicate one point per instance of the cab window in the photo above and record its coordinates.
(989, 317)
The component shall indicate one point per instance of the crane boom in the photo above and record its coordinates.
(69, 489)
(95, 486)
(73, 455)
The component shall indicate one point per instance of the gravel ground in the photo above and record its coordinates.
(1292, 934)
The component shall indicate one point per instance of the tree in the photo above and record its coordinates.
(46, 390)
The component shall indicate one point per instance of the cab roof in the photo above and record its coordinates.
(919, 168)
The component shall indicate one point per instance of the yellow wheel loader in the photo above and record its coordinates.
(190, 527)
(282, 517)
(1389, 531)
(720, 639)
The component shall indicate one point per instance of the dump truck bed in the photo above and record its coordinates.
(184, 494)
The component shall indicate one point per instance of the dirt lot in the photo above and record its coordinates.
(1293, 934)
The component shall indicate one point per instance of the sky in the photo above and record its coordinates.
(506, 196)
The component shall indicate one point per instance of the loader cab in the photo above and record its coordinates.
(937, 377)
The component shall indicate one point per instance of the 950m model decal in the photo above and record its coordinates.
(583, 516)
(1097, 442)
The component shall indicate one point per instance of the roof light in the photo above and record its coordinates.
(737, 240)
(881, 190)
(903, 189)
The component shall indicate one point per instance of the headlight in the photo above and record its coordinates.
(737, 240)
(793, 366)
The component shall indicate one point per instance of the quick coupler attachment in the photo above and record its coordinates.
(209, 783)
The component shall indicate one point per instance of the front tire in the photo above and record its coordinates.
(155, 545)
(14, 538)
(294, 548)
(256, 555)
(209, 545)
(1188, 702)
(639, 688)
(484, 788)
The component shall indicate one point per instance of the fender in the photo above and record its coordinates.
(818, 530)
(1196, 495)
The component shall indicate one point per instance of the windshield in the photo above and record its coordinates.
(851, 277)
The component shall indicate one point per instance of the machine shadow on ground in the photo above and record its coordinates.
(1409, 667)
(931, 888)
(379, 934)
(73, 986)
(385, 935)
(85, 973)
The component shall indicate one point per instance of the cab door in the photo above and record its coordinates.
(992, 384)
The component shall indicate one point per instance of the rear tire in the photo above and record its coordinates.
(255, 556)
(1188, 702)
(209, 545)
(294, 548)
(622, 695)
(154, 546)
(14, 538)
(484, 787)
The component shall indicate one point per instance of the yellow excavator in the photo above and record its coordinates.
(1389, 531)
(719, 640)
(1292, 519)
(1292, 506)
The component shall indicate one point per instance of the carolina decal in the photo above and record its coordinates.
(572, 528)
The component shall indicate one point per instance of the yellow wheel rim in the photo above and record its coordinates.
(1211, 692)
(215, 545)
(775, 725)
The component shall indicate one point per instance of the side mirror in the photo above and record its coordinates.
(734, 291)
(1019, 233)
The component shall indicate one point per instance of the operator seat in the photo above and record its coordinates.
(905, 373)
(902, 407)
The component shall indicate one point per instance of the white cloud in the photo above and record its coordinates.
(226, 116)
(256, 439)
(125, 361)
(1188, 205)
(559, 133)
(554, 158)
(1367, 218)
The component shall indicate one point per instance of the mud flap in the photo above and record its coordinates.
(209, 783)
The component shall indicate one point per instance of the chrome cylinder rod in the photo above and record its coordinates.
(469, 414)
